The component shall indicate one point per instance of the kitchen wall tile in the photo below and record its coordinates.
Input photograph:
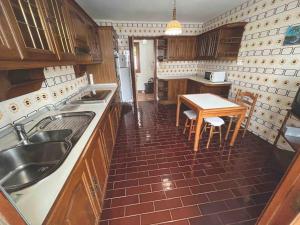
(60, 84)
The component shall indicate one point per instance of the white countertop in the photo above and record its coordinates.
(196, 78)
(35, 201)
(210, 101)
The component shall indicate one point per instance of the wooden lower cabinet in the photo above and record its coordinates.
(194, 87)
(76, 204)
(80, 201)
(168, 90)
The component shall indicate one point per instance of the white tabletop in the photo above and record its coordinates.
(210, 101)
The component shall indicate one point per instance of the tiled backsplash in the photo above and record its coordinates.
(60, 84)
(268, 68)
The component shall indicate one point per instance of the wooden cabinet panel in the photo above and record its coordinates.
(76, 204)
(193, 87)
(181, 48)
(8, 48)
(31, 32)
(55, 11)
(96, 165)
(221, 43)
(175, 88)
(107, 137)
(79, 28)
(8, 213)
(94, 43)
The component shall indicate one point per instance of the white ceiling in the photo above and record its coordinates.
(157, 10)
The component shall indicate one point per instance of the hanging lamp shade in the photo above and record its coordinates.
(174, 26)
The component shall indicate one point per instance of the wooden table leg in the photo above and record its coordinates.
(178, 111)
(237, 127)
(198, 128)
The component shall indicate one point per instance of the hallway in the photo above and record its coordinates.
(156, 178)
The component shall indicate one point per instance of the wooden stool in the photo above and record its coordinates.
(213, 122)
(190, 122)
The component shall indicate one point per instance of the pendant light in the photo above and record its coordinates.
(174, 27)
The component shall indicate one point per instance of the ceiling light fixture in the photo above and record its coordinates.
(174, 27)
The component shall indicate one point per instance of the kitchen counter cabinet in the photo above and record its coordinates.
(170, 87)
(81, 199)
(76, 203)
(195, 87)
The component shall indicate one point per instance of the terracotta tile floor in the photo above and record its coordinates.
(155, 178)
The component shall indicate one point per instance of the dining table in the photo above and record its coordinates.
(210, 105)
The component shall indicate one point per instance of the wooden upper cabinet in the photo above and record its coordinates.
(8, 48)
(221, 43)
(29, 28)
(55, 11)
(79, 26)
(94, 43)
(181, 48)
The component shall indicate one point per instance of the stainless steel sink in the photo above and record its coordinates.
(22, 166)
(51, 135)
(92, 96)
(50, 142)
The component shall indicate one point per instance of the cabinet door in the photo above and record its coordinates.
(8, 48)
(30, 30)
(175, 88)
(107, 137)
(56, 17)
(193, 87)
(96, 164)
(94, 43)
(172, 48)
(213, 40)
(76, 205)
(79, 28)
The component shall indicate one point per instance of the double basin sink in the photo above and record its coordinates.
(50, 142)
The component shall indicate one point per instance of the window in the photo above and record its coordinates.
(136, 52)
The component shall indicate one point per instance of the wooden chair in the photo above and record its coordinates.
(190, 122)
(247, 99)
(213, 122)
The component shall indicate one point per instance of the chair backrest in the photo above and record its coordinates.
(247, 99)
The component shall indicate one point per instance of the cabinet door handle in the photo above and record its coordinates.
(96, 184)
(92, 190)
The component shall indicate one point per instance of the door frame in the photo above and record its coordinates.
(131, 40)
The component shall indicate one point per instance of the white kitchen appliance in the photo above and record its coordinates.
(123, 71)
(216, 76)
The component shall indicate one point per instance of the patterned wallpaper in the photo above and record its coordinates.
(264, 65)
(60, 84)
(126, 28)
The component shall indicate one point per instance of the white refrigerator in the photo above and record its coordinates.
(123, 69)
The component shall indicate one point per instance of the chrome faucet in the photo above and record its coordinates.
(21, 133)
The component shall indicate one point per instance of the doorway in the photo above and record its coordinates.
(145, 68)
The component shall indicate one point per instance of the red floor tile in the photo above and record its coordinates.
(156, 178)
(156, 217)
(185, 212)
(139, 208)
(167, 204)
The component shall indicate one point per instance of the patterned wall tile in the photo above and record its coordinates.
(60, 84)
(269, 68)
